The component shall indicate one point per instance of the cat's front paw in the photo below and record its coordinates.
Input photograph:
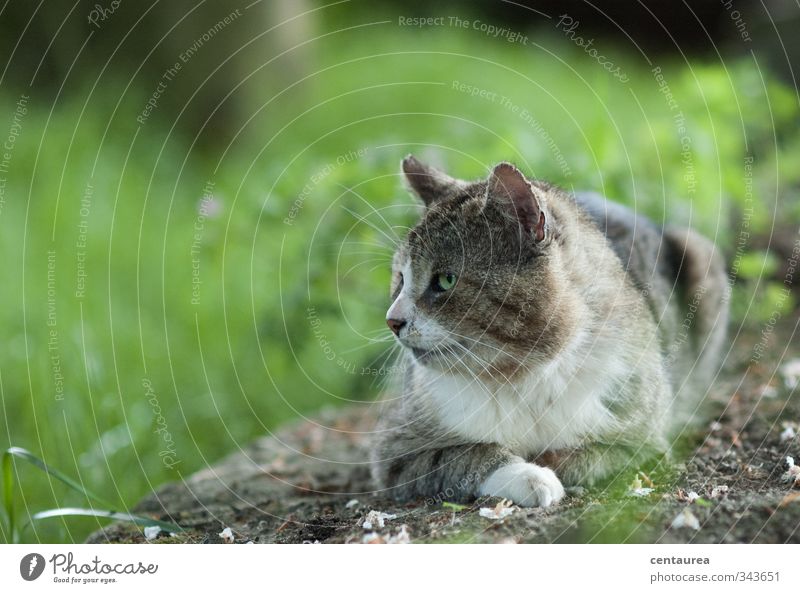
(525, 484)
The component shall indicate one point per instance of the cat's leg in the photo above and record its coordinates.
(409, 469)
(593, 463)
(462, 472)
(526, 484)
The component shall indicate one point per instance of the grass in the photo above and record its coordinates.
(104, 224)
(14, 533)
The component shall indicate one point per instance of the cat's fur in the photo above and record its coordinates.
(576, 339)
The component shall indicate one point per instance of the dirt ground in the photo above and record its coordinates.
(308, 483)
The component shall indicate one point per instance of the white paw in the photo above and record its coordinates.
(525, 484)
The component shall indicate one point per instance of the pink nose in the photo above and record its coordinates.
(396, 325)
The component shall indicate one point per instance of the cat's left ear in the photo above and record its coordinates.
(507, 184)
(428, 183)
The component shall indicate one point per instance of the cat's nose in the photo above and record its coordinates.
(396, 325)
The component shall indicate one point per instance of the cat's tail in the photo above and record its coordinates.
(700, 271)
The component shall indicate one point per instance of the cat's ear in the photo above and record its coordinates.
(427, 183)
(508, 185)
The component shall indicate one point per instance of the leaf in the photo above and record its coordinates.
(647, 481)
(454, 506)
(702, 502)
(21, 453)
(8, 498)
(117, 516)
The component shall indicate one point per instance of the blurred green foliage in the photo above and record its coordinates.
(278, 298)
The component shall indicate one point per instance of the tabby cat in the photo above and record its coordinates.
(549, 339)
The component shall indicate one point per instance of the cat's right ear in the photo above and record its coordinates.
(507, 184)
(428, 183)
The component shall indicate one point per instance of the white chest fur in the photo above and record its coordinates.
(558, 406)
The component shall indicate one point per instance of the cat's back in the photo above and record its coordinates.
(636, 240)
(682, 277)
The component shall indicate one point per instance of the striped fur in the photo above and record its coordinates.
(564, 342)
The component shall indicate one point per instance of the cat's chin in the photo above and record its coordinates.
(435, 360)
(447, 363)
(422, 355)
(430, 357)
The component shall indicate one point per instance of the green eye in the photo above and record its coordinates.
(443, 282)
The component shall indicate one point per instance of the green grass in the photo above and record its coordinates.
(248, 355)
(100, 508)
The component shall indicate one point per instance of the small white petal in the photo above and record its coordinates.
(377, 519)
(401, 537)
(227, 535)
(640, 491)
(718, 491)
(791, 373)
(685, 519)
(497, 512)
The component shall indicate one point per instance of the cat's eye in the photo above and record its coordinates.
(399, 286)
(443, 282)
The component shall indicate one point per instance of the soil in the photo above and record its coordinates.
(309, 482)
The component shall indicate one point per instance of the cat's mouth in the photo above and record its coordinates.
(430, 356)
(435, 356)
(459, 358)
(422, 354)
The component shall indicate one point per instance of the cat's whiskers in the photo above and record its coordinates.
(391, 363)
(460, 361)
(381, 261)
(377, 244)
(382, 264)
(476, 380)
(454, 363)
(485, 365)
(378, 211)
(374, 210)
(368, 343)
(500, 351)
(386, 353)
(363, 219)
(379, 331)
(374, 252)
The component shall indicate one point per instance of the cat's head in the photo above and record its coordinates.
(476, 283)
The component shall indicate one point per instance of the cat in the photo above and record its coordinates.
(548, 339)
